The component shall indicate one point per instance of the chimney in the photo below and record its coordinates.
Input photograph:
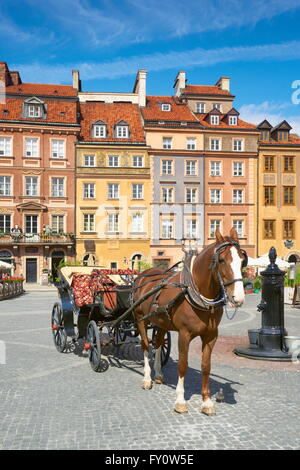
(224, 83)
(179, 83)
(76, 80)
(5, 79)
(15, 78)
(140, 86)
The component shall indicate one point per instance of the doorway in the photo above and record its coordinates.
(31, 270)
(57, 257)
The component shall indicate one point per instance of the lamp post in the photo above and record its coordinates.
(269, 344)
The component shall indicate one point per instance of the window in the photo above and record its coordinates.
(57, 223)
(138, 161)
(58, 187)
(57, 148)
(215, 196)
(5, 223)
(265, 135)
(238, 169)
(215, 169)
(217, 106)
(190, 168)
(31, 223)
(269, 195)
(113, 222)
(113, 191)
(137, 191)
(288, 229)
(31, 186)
(237, 145)
(99, 131)
(191, 143)
(191, 195)
(289, 195)
(5, 185)
(289, 164)
(191, 228)
(200, 107)
(167, 167)
(31, 147)
(166, 228)
(122, 131)
(165, 107)
(233, 120)
(113, 265)
(137, 222)
(269, 163)
(88, 222)
(238, 224)
(89, 190)
(34, 110)
(6, 146)
(283, 135)
(89, 160)
(167, 142)
(214, 120)
(237, 196)
(269, 228)
(167, 194)
(113, 160)
(213, 225)
(215, 144)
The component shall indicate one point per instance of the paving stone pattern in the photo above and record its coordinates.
(50, 400)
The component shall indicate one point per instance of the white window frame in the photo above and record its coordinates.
(56, 220)
(239, 225)
(7, 222)
(137, 161)
(217, 106)
(112, 159)
(215, 168)
(167, 143)
(191, 168)
(113, 220)
(31, 147)
(167, 167)
(191, 143)
(57, 187)
(5, 146)
(88, 222)
(137, 191)
(165, 107)
(122, 131)
(213, 145)
(193, 195)
(89, 190)
(236, 171)
(87, 159)
(237, 196)
(215, 196)
(5, 185)
(137, 225)
(60, 151)
(167, 194)
(191, 232)
(31, 186)
(31, 223)
(214, 120)
(34, 110)
(99, 131)
(238, 145)
(233, 120)
(200, 107)
(213, 224)
(113, 191)
(167, 229)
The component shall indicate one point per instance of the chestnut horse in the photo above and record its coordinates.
(212, 278)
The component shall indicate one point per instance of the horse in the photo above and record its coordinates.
(191, 303)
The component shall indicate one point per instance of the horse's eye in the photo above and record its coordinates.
(221, 260)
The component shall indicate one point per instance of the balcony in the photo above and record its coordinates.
(37, 239)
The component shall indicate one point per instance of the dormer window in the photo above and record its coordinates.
(233, 120)
(283, 135)
(214, 120)
(34, 108)
(122, 130)
(34, 111)
(99, 130)
(165, 107)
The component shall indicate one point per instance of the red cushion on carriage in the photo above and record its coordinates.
(82, 290)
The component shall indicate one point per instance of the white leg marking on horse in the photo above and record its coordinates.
(157, 366)
(208, 407)
(147, 383)
(180, 403)
(238, 292)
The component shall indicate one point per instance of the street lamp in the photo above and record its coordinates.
(288, 243)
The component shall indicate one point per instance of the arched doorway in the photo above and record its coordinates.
(89, 260)
(136, 260)
(57, 256)
(293, 259)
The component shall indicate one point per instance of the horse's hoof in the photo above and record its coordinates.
(181, 408)
(208, 408)
(159, 379)
(147, 384)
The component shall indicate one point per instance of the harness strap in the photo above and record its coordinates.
(163, 309)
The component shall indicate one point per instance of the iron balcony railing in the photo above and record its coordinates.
(36, 238)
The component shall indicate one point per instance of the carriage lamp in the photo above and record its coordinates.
(87, 346)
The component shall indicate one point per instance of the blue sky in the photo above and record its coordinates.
(255, 42)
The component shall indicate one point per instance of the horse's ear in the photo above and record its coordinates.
(233, 234)
(219, 237)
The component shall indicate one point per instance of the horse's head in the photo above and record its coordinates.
(227, 263)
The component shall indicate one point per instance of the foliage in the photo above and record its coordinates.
(143, 265)
(257, 283)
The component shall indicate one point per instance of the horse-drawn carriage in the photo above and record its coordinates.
(96, 307)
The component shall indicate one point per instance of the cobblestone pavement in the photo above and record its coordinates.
(55, 401)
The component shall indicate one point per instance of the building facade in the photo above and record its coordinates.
(278, 198)
(112, 185)
(38, 130)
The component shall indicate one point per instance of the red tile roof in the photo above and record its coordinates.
(293, 140)
(224, 125)
(110, 114)
(41, 89)
(179, 112)
(57, 111)
(205, 90)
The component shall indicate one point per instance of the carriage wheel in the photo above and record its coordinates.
(58, 330)
(93, 339)
(166, 346)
